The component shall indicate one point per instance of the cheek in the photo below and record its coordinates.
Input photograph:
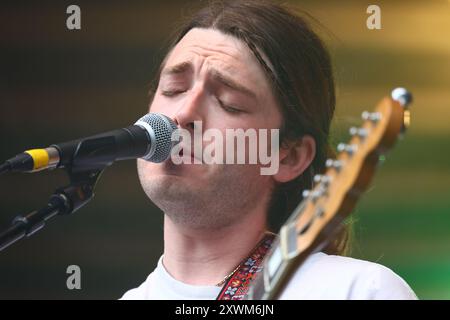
(142, 167)
(162, 105)
(156, 106)
(147, 168)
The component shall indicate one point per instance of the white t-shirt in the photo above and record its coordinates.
(320, 277)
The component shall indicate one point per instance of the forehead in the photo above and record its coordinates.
(217, 49)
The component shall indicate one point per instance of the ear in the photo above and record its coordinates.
(295, 158)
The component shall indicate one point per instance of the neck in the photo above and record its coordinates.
(215, 253)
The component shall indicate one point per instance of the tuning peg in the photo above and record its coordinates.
(317, 193)
(313, 195)
(349, 148)
(361, 132)
(324, 179)
(331, 163)
(371, 116)
(318, 178)
(403, 96)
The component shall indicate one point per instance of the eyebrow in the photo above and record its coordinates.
(216, 75)
(177, 69)
(227, 81)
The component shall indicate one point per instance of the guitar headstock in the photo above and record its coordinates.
(320, 215)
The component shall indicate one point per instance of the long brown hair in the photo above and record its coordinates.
(301, 75)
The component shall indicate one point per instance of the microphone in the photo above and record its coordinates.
(149, 138)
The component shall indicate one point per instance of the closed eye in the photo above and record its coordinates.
(228, 108)
(171, 93)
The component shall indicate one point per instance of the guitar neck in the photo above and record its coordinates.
(319, 216)
(283, 260)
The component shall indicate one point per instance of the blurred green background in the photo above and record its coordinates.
(56, 85)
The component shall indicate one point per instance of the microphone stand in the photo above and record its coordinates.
(63, 201)
(90, 158)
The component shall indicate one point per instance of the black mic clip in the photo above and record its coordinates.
(63, 201)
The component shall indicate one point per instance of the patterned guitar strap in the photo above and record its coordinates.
(237, 286)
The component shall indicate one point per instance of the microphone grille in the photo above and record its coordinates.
(160, 129)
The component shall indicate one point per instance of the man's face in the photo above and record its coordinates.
(213, 78)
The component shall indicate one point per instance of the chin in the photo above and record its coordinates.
(160, 179)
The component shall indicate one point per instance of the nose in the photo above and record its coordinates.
(192, 108)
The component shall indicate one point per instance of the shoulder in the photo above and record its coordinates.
(325, 276)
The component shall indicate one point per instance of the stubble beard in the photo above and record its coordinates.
(227, 194)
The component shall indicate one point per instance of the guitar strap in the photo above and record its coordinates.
(236, 288)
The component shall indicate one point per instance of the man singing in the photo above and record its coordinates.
(247, 65)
